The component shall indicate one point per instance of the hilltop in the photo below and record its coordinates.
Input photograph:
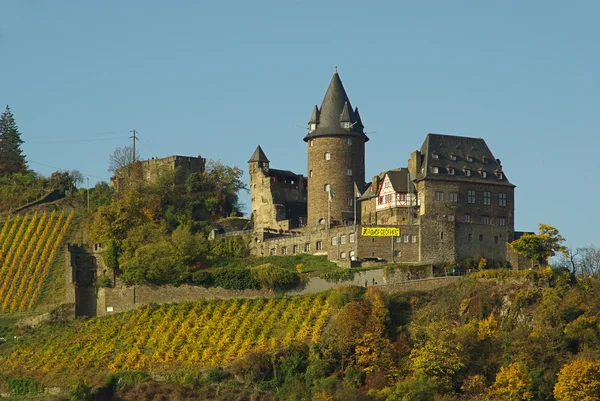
(491, 334)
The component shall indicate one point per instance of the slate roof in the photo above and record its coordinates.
(258, 156)
(282, 173)
(399, 179)
(461, 147)
(329, 116)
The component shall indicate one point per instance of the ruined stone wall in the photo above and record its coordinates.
(153, 168)
(344, 156)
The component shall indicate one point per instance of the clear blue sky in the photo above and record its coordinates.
(217, 78)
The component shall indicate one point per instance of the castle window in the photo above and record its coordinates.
(496, 239)
(327, 156)
(453, 196)
(351, 238)
(306, 247)
(413, 239)
(343, 239)
(313, 126)
(467, 172)
(349, 171)
(319, 245)
(481, 237)
(441, 235)
(483, 173)
(349, 201)
(467, 218)
(499, 175)
(397, 253)
(450, 217)
(452, 156)
(487, 198)
(326, 187)
(501, 198)
(485, 219)
(295, 249)
(471, 196)
(349, 140)
(312, 141)
(334, 240)
(435, 155)
(342, 255)
(450, 171)
(272, 251)
(469, 158)
(284, 250)
(439, 196)
(346, 124)
(405, 238)
(470, 237)
(500, 221)
(435, 169)
(310, 173)
(398, 239)
(322, 221)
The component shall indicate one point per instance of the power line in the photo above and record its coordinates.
(59, 168)
(75, 140)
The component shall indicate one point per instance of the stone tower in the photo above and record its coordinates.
(336, 157)
(258, 168)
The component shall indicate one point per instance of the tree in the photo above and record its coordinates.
(12, 159)
(578, 380)
(547, 243)
(66, 180)
(122, 157)
(512, 383)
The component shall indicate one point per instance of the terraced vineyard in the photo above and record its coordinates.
(28, 245)
(203, 333)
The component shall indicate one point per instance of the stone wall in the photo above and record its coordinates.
(420, 285)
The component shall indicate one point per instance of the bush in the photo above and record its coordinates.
(24, 386)
(338, 275)
(235, 278)
(342, 295)
(202, 278)
(81, 392)
(215, 375)
(276, 278)
(130, 377)
(354, 376)
(104, 281)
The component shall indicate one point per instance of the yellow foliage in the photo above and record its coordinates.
(487, 328)
(578, 380)
(322, 396)
(512, 383)
(299, 267)
(482, 264)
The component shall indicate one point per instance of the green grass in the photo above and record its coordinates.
(312, 265)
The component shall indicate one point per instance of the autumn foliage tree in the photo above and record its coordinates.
(541, 246)
(578, 380)
(512, 383)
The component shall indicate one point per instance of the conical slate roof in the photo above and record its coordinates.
(335, 108)
(314, 118)
(258, 156)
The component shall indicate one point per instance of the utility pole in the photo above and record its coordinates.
(88, 193)
(135, 138)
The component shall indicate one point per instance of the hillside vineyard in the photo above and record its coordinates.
(28, 245)
(206, 333)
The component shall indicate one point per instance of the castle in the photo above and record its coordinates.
(451, 202)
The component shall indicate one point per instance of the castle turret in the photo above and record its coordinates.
(336, 156)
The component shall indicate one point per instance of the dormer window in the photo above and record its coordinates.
(484, 159)
(483, 173)
(467, 172)
(469, 158)
(452, 156)
(346, 124)
(313, 126)
(450, 171)
(435, 155)
(435, 169)
(499, 175)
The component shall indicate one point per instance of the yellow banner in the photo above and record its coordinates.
(380, 232)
